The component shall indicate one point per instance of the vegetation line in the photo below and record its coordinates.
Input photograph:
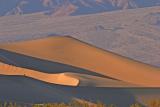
(74, 103)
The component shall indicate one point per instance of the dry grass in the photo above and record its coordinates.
(152, 103)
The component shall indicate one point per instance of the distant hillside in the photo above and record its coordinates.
(70, 7)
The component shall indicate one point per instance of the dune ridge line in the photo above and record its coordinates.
(59, 78)
(73, 52)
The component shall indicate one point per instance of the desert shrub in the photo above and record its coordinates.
(136, 105)
(10, 104)
(50, 105)
(154, 103)
(100, 104)
(75, 103)
(112, 105)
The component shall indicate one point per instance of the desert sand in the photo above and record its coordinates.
(95, 81)
(73, 52)
(45, 66)
(85, 78)
(60, 79)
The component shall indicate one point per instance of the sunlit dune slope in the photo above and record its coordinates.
(61, 78)
(67, 78)
(85, 77)
(73, 52)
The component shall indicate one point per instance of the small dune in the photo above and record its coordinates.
(68, 50)
(67, 78)
(60, 78)
(95, 81)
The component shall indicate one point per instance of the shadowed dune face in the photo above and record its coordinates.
(73, 52)
(14, 88)
(20, 60)
(85, 77)
(94, 81)
(22, 89)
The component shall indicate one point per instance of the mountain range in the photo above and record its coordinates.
(70, 7)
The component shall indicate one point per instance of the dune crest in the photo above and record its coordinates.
(73, 52)
(60, 78)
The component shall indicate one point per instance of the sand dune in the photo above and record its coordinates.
(70, 51)
(85, 77)
(14, 88)
(95, 81)
(69, 79)
(61, 78)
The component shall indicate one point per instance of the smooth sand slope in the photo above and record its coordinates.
(68, 79)
(61, 79)
(85, 77)
(70, 51)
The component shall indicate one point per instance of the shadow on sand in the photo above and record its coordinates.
(27, 90)
(33, 63)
